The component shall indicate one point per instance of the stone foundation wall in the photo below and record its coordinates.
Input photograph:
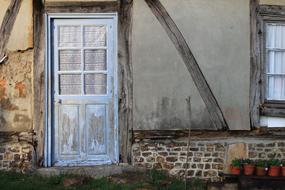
(16, 156)
(207, 157)
(16, 150)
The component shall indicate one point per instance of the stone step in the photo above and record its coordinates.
(91, 171)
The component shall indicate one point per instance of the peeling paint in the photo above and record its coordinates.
(6, 104)
(20, 86)
(16, 91)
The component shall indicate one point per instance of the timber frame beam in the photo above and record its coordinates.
(8, 23)
(175, 35)
(255, 65)
(126, 80)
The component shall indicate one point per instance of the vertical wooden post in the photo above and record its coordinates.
(126, 80)
(255, 66)
(39, 79)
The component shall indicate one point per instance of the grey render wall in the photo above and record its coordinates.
(218, 33)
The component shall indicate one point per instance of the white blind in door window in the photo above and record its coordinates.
(275, 61)
(82, 51)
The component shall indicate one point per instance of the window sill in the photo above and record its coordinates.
(273, 108)
(272, 122)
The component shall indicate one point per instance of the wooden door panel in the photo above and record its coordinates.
(69, 130)
(96, 130)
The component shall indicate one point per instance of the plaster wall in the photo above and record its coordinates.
(22, 34)
(76, 0)
(272, 2)
(16, 93)
(218, 33)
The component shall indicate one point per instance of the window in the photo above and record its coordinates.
(275, 61)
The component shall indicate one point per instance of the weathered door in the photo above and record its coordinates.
(84, 119)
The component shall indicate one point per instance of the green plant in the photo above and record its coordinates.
(274, 162)
(261, 163)
(247, 161)
(236, 162)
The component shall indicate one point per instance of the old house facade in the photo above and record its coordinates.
(95, 82)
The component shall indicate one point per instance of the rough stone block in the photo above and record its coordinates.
(238, 150)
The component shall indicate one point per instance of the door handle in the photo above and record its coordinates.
(58, 101)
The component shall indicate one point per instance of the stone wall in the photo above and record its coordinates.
(16, 151)
(207, 157)
(16, 156)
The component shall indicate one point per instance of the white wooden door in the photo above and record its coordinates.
(84, 130)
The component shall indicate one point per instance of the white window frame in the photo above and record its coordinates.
(267, 73)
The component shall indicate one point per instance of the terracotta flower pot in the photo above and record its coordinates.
(260, 171)
(283, 171)
(248, 169)
(274, 171)
(235, 170)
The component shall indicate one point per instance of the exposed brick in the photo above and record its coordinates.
(198, 173)
(262, 155)
(219, 147)
(2, 150)
(17, 157)
(173, 153)
(207, 154)
(210, 173)
(8, 156)
(198, 154)
(163, 153)
(218, 166)
(215, 154)
(160, 148)
(194, 149)
(281, 144)
(145, 154)
(200, 166)
(190, 173)
(218, 160)
(195, 159)
(150, 159)
(177, 149)
(171, 159)
(160, 159)
(139, 159)
(270, 145)
(157, 166)
(207, 159)
(15, 149)
(168, 166)
(260, 145)
(252, 154)
(207, 166)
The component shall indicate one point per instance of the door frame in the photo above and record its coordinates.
(49, 17)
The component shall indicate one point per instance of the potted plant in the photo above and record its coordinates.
(283, 168)
(248, 167)
(261, 167)
(235, 167)
(274, 167)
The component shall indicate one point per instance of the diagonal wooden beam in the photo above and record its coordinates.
(215, 112)
(7, 24)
